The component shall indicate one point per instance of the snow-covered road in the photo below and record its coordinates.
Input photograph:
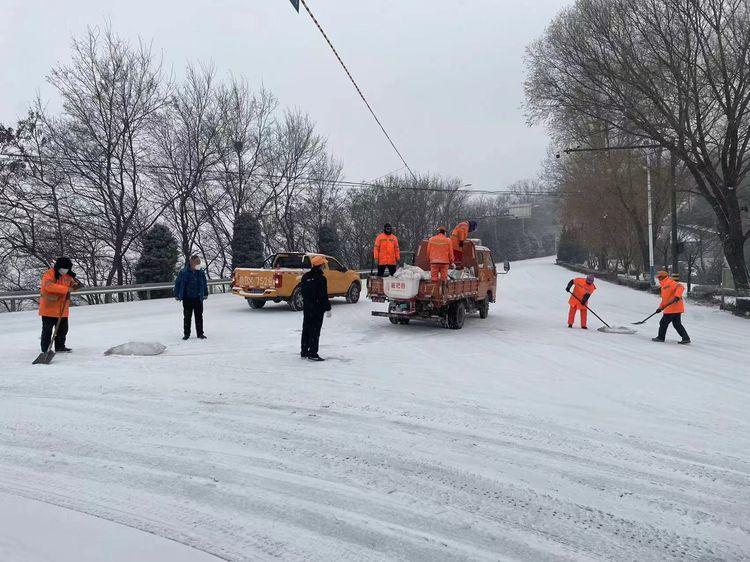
(512, 439)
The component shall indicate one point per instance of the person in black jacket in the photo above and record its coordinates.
(191, 288)
(315, 297)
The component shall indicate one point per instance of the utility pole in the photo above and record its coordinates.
(650, 224)
(673, 186)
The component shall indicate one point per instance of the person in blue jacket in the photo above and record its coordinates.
(191, 288)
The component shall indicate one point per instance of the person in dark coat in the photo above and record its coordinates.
(191, 288)
(316, 304)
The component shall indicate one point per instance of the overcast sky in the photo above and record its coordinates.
(445, 76)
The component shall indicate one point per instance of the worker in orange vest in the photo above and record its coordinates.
(386, 251)
(672, 306)
(54, 303)
(583, 288)
(440, 254)
(459, 235)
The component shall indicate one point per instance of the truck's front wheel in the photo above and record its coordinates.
(296, 302)
(456, 316)
(256, 303)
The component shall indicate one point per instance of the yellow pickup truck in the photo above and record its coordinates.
(278, 280)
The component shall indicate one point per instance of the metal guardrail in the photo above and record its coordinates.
(16, 297)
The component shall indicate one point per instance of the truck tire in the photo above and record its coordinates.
(484, 307)
(456, 315)
(256, 303)
(399, 321)
(352, 295)
(296, 303)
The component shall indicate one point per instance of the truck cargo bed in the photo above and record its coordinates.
(439, 292)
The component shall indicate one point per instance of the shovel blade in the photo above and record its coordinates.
(44, 358)
(638, 323)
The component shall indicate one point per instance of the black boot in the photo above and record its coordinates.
(315, 357)
(202, 337)
(186, 336)
(657, 339)
(685, 341)
(62, 349)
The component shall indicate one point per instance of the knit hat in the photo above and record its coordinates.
(662, 275)
(318, 260)
(441, 229)
(590, 278)
(63, 263)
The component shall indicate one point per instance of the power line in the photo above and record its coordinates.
(214, 175)
(356, 86)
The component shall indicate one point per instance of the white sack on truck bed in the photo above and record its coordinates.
(458, 274)
(412, 272)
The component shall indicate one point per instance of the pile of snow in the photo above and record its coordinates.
(141, 348)
(617, 330)
(411, 272)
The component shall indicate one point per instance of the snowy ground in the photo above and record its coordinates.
(512, 439)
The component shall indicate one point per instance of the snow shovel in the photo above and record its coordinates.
(606, 328)
(646, 318)
(45, 357)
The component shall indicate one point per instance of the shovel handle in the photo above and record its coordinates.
(587, 308)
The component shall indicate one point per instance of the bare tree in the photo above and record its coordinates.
(184, 135)
(675, 72)
(290, 158)
(110, 93)
(245, 131)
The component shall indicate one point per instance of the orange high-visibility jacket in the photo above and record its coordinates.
(580, 290)
(386, 249)
(459, 234)
(54, 293)
(669, 290)
(440, 249)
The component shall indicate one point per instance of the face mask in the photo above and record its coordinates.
(63, 271)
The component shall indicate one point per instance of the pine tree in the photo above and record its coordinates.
(158, 260)
(247, 242)
(328, 241)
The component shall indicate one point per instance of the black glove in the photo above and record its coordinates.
(674, 300)
(658, 309)
(72, 274)
(585, 298)
(570, 284)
